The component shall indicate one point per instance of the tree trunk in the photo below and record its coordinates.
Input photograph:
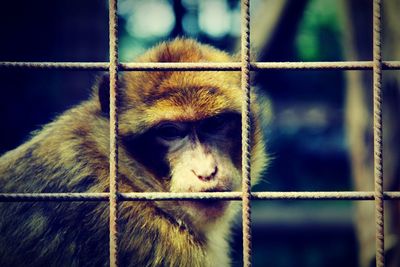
(359, 123)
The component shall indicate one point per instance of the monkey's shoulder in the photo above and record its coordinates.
(64, 156)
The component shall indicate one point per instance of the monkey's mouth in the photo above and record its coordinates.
(211, 208)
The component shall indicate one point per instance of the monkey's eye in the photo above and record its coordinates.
(170, 131)
(214, 124)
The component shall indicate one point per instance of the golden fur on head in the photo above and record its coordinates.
(185, 95)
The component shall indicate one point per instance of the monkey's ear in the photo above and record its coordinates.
(102, 92)
(254, 55)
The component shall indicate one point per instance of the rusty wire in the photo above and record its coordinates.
(113, 199)
(102, 66)
(203, 66)
(246, 157)
(143, 196)
(378, 155)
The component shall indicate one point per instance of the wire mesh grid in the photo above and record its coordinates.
(245, 66)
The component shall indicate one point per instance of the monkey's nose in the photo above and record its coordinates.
(206, 175)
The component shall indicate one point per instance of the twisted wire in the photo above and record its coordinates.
(102, 66)
(202, 66)
(378, 157)
(246, 180)
(113, 200)
(159, 196)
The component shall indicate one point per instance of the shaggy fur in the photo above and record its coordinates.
(71, 154)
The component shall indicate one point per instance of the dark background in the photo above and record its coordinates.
(305, 136)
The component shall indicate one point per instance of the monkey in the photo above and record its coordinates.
(179, 131)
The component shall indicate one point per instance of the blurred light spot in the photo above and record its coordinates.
(319, 16)
(189, 4)
(317, 117)
(148, 19)
(214, 18)
(235, 21)
(307, 43)
(125, 7)
(130, 48)
(190, 24)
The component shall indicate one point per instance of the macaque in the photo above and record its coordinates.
(178, 132)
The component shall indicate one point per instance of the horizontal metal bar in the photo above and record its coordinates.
(182, 66)
(332, 65)
(232, 66)
(59, 197)
(181, 196)
(236, 66)
(100, 66)
(330, 195)
(349, 195)
(327, 195)
(204, 66)
(337, 65)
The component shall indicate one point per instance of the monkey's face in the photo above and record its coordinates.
(202, 156)
(181, 129)
(201, 153)
(194, 156)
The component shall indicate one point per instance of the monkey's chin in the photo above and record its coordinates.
(207, 210)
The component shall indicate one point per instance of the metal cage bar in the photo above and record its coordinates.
(246, 158)
(113, 196)
(210, 66)
(68, 197)
(378, 152)
(245, 66)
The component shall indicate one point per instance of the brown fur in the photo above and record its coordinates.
(71, 154)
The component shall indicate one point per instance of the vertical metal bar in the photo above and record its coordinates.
(378, 156)
(113, 46)
(246, 181)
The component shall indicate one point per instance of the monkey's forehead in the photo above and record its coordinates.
(179, 104)
(197, 110)
(151, 85)
(183, 104)
(147, 86)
